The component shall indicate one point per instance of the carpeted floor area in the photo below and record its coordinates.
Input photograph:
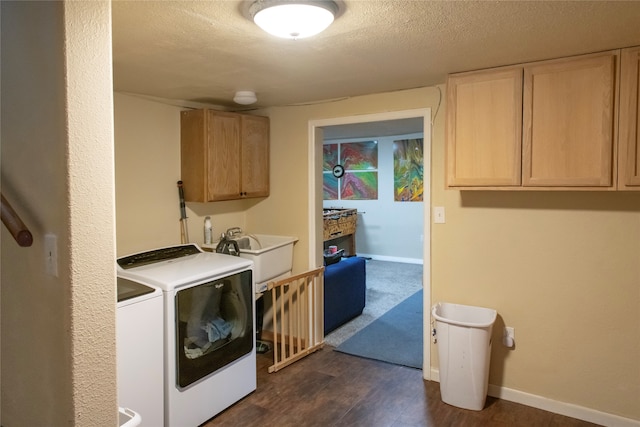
(388, 284)
(395, 337)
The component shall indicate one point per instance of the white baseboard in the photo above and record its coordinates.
(392, 258)
(555, 406)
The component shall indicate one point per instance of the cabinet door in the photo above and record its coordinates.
(569, 122)
(484, 128)
(254, 156)
(193, 137)
(629, 139)
(223, 162)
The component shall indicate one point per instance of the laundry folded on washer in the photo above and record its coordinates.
(217, 329)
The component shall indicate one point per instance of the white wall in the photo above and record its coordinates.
(387, 230)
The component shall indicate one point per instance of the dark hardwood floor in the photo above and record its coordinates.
(329, 388)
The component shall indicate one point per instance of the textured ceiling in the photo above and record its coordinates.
(203, 51)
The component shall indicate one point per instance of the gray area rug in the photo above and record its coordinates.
(395, 337)
(388, 284)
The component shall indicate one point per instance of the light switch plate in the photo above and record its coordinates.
(51, 254)
(438, 215)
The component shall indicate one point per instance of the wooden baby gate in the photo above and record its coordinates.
(298, 317)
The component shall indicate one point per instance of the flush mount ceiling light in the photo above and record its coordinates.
(293, 19)
(245, 97)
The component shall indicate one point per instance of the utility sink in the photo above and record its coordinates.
(272, 256)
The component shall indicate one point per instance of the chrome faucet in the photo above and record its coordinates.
(233, 232)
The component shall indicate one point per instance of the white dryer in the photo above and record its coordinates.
(140, 351)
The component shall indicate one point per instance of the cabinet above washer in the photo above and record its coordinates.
(224, 156)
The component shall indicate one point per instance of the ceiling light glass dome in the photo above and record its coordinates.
(293, 19)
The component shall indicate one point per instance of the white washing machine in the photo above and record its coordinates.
(140, 351)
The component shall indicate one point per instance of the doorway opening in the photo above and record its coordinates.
(366, 124)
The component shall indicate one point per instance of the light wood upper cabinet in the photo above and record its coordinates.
(224, 156)
(548, 125)
(484, 128)
(629, 135)
(569, 118)
(254, 156)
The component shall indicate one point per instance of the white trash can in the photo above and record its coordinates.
(464, 349)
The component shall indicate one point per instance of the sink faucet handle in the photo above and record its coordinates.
(233, 231)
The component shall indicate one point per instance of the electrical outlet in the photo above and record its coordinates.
(51, 254)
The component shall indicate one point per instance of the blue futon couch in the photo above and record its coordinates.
(344, 292)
